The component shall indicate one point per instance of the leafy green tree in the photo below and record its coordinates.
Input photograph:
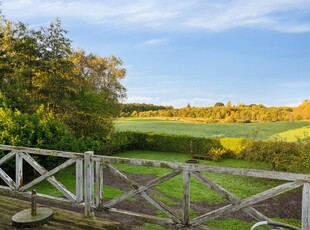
(219, 104)
(40, 67)
(99, 96)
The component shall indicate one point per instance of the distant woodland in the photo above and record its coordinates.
(221, 113)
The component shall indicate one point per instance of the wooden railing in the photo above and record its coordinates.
(90, 179)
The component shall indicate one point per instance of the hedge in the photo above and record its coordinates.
(283, 156)
(122, 141)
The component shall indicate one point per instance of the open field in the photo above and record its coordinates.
(170, 191)
(262, 131)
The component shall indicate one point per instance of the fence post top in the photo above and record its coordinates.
(89, 152)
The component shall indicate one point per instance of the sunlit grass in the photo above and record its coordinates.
(294, 134)
(264, 130)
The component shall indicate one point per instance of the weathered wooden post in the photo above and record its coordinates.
(89, 183)
(306, 207)
(33, 203)
(79, 180)
(99, 184)
(186, 194)
(18, 170)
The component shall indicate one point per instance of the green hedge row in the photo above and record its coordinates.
(284, 156)
(122, 141)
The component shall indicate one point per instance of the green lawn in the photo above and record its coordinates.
(172, 189)
(199, 192)
(264, 131)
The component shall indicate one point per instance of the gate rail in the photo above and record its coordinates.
(90, 179)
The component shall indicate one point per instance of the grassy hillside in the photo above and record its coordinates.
(261, 131)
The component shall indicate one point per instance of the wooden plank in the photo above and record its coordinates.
(99, 184)
(50, 199)
(5, 188)
(224, 193)
(122, 176)
(162, 207)
(246, 202)
(306, 207)
(207, 168)
(47, 174)
(7, 157)
(44, 152)
(79, 168)
(89, 183)
(142, 188)
(154, 219)
(7, 179)
(186, 197)
(18, 170)
(50, 179)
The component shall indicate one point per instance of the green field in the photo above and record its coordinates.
(262, 131)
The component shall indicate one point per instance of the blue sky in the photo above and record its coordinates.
(199, 51)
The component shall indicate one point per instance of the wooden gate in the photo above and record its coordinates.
(89, 168)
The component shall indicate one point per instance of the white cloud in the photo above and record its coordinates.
(124, 12)
(155, 41)
(280, 15)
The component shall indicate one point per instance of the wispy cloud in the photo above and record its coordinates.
(154, 41)
(295, 84)
(281, 15)
(123, 12)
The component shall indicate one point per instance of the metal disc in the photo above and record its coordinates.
(25, 219)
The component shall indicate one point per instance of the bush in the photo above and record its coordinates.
(41, 130)
(217, 153)
(284, 156)
(174, 143)
(234, 146)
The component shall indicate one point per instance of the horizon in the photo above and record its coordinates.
(225, 105)
(198, 52)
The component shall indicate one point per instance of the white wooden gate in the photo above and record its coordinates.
(90, 179)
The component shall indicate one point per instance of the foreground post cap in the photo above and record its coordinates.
(26, 219)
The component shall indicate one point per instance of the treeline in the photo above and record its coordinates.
(132, 109)
(47, 86)
(230, 114)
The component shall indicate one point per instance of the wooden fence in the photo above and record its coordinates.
(90, 179)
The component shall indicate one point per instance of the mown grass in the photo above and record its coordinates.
(199, 192)
(260, 131)
(172, 190)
